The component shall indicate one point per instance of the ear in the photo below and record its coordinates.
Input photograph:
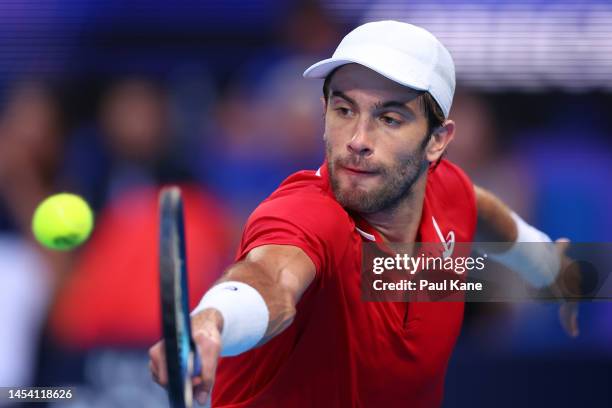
(324, 106)
(439, 141)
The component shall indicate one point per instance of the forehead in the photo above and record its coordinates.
(355, 77)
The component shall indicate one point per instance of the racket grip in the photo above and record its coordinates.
(197, 364)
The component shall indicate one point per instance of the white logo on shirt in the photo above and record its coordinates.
(448, 242)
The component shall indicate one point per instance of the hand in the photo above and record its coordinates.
(206, 329)
(567, 285)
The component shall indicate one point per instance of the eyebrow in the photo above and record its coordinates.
(378, 105)
(342, 95)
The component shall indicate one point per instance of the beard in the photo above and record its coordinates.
(396, 182)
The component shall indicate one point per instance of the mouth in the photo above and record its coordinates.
(357, 171)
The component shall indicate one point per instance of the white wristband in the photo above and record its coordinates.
(245, 315)
(538, 264)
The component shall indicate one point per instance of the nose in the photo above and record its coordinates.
(360, 144)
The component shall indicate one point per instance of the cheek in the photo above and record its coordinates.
(399, 154)
(333, 136)
(339, 125)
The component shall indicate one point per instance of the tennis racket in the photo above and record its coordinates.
(182, 359)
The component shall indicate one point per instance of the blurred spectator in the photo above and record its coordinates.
(25, 286)
(112, 297)
(481, 148)
(130, 145)
(263, 135)
(269, 123)
(109, 311)
(31, 142)
(110, 303)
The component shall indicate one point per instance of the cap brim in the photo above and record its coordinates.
(322, 68)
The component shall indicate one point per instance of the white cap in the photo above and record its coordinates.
(402, 52)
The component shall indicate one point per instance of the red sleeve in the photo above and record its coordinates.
(314, 223)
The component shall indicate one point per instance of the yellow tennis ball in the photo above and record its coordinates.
(62, 221)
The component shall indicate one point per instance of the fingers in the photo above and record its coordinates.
(568, 311)
(568, 314)
(562, 244)
(157, 364)
(208, 342)
(205, 327)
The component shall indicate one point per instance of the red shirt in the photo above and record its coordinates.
(341, 351)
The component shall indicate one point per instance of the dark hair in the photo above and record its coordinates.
(429, 106)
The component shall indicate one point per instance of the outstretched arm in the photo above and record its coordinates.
(542, 264)
(253, 301)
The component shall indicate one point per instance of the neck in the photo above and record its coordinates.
(401, 223)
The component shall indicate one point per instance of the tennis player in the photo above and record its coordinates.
(287, 317)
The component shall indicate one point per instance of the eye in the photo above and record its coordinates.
(388, 120)
(342, 111)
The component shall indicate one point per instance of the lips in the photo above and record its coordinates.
(357, 171)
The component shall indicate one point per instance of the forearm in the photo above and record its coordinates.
(495, 223)
(521, 247)
(256, 298)
(278, 297)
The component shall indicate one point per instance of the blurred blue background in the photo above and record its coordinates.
(112, 99)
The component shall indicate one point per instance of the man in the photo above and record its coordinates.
(290, 308)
